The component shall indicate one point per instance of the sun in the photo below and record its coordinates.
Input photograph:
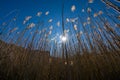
(63, 38)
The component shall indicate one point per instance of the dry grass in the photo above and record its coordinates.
(18, 63)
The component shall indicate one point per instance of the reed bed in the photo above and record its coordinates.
(91, 51)
(34, 65)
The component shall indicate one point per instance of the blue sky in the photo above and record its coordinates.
(31, 7)
(25, 8)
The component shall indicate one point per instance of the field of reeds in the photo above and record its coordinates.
(90, 49)
(17, 63)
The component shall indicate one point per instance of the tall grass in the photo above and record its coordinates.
(92, 51)
(33, 65)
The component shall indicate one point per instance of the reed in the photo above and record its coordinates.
(91, 51)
